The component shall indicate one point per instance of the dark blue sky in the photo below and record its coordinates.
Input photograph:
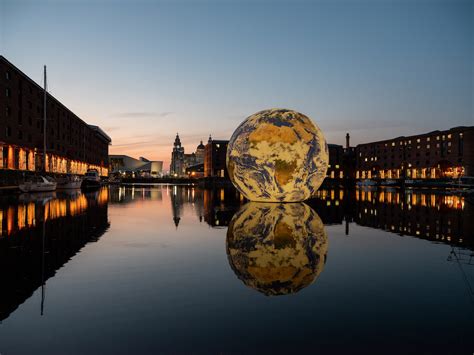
(144, 70)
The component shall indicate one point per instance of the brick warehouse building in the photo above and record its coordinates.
(73, 146)
(433, 155)
(215, 158)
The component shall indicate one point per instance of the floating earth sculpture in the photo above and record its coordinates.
(276, 249)
(277, 155)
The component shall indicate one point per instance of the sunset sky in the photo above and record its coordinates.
(144, 70)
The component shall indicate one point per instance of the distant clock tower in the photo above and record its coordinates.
(177, 167)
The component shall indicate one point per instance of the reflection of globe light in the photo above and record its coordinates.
(277, 155)
(276, 249)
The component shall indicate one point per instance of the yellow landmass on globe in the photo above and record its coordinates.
(273, 134)
(304, 134)
(284, 171)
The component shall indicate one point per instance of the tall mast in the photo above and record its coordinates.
(42, 266)
(44, 120)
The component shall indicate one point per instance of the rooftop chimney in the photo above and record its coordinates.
(348, 137)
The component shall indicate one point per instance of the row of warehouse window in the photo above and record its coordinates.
(400, 156)
(39, 126)
(17, 158)
(8, 133)
(417, 163)
(445, 148)
(428, 146)
(20, 135)
(418, 140)
(30, 87)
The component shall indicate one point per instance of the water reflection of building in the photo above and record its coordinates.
(177, 201)
(123, 194)
(330, 206)
(220, 205)
(427, 215)
(186, 197)
(27, 259)
(431, 216)
(215, 206)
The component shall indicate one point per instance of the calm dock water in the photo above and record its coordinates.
(177, 269)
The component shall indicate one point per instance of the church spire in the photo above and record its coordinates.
(177, 141)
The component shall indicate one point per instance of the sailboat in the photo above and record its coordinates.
(69, 182)
(91, 179)
(40, 183)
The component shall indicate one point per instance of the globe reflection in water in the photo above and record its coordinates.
(276, 249)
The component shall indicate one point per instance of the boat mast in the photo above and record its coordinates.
(44, 121)
(42, 267)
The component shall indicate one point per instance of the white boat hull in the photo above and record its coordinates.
(38, 187)
(69, 185)
(91, 179)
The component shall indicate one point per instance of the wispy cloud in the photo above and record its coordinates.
(110, 128)
(143, 114)
(153, 143)
(355, 125)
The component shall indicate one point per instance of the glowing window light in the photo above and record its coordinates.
(31, 161)
(10, 158)
(21, 159)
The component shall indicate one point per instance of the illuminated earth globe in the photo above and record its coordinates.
(276, 249)
(277, 155)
